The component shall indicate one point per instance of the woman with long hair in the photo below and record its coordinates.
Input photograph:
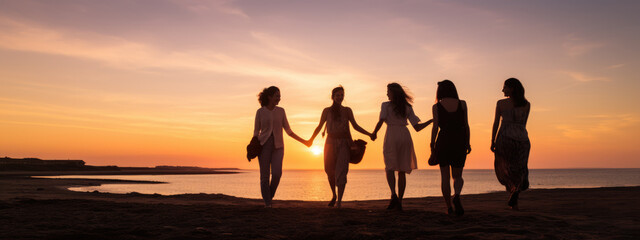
(511, 143)
(338, 144)
(450, 142)
(270, 120)
(398, 152)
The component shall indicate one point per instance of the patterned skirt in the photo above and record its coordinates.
(511, 160)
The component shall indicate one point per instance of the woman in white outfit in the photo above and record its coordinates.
(270, 120)
(399, 155)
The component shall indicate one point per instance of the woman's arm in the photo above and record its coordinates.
(256, 126)
(466, 127)
(434, 130)
(415, 120)
(423, 125)
(526, 118)
(323, 119)
(287, 128)
(496, 124)
(374, 134)
(355, 124)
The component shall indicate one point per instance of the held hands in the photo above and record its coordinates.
(373, 136)
(418, 127)
(308, 143)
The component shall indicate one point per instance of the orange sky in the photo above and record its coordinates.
(171, 82)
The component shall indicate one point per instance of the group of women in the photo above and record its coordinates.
(449, 141)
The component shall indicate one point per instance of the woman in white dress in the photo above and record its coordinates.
(399, 155)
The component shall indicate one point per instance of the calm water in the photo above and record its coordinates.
(362, 184)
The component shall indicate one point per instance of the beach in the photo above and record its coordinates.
(37, 208)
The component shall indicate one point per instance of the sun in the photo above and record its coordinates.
(316, 150)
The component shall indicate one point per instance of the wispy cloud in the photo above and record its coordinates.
(599, 126)
(156, 124)
(128, 54)
(447, 57)
(575, 46)
(206, 6)
(616, 66)
(583, 77)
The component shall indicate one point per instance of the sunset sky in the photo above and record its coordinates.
(174, 82)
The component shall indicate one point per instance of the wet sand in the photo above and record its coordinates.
(32, 208)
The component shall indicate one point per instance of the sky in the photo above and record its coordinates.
(175, 82)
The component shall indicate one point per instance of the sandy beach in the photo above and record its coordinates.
(33, 208)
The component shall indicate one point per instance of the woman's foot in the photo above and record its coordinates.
(513, 200)
(339, 205)
(333, 202)
(458, 204)
(399, 206)
(393, 203)
(450, 211)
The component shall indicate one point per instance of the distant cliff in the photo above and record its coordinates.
(36, 164)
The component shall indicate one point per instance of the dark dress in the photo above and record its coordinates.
(452, 139)
(512, 150)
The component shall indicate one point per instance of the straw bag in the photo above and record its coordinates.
(357, 151)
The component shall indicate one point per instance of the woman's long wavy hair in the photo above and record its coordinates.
(335, 107)
(400, 99)
(518, 91)
(263, 97)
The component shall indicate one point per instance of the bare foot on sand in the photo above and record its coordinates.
(333, 202)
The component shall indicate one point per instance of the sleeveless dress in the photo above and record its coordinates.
(451, 143)
(337, 148)
(398, 151)
(512, 150)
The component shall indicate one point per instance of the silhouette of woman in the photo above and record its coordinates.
(511, 145)
(270, 120)
(398, 151)
(451, 127)
(338, 143)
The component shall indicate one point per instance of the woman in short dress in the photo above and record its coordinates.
(338, 144)
(269, 123)
(399, 155)
(451, 128)
(511, 143)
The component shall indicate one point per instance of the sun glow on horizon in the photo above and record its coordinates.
(316, 150)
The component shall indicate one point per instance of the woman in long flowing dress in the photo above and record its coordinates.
(450, 142)
(399, 154)
(338, 144)
(511, 144)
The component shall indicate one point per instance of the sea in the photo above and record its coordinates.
(312, 185)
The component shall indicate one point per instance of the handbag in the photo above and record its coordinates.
(357, 151)
(253, 149)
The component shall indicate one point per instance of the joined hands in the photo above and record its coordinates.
(308, 143)
(373, 136)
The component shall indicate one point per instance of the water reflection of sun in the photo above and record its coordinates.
(316, 150)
